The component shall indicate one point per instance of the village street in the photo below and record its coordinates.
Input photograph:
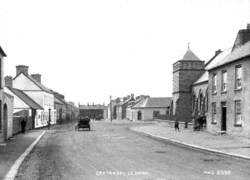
(112, 151)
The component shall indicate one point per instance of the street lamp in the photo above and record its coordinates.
(49, 118)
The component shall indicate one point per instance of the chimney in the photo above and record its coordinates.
(8, 81)
(22, 69)
(218, 52)
(242, 37)
(132, 96)
(37, 77)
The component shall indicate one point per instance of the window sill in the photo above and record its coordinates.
(238, 89)
(214, 93)
(223, 92)
(237, 125)
(213, 122)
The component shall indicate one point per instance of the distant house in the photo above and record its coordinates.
(6, 105)
(24, 107)
(112, 108)
(151, 108)
(121, 107)
(44, 97)
(71, 111)
(60, 106)
(130, 112)
(92, 111)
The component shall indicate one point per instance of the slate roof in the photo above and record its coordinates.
(231, 56)
(189, 55)
(58, 98)
(58, 101)
(154, 102)
(203, 78)
(2, 52)
(25, 98)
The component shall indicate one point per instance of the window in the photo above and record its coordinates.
(168, 111)
(224, 81)
(238, 76)
(238, 119)
(214, 84)
(214, 113)
(156, 114)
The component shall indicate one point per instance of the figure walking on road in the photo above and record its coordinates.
(48, 122)
(176, 125)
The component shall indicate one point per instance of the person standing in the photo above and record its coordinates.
(23, 125)
(48, 122)
(176, 125)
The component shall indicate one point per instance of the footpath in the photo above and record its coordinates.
(14, 148)
(228, 145)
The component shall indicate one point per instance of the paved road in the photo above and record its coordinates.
(111, 151)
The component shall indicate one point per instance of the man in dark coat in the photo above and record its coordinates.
(176, 125)
(23, 125)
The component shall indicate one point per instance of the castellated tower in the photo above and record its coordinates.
(185, 72)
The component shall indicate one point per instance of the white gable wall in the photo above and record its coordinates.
(24, 83)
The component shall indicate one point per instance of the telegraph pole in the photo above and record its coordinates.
(110, 104)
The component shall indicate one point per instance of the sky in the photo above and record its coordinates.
(89, 50)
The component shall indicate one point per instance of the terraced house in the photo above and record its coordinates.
(44, 97)
(229, 89)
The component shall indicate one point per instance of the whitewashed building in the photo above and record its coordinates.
(32, 86)
(151, 108)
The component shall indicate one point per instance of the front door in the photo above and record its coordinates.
(139, 115)
(223, 116)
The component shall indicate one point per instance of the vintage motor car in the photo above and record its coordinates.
(83, 123)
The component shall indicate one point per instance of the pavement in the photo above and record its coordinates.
(111, 151)
(229, 145)
(14, 148)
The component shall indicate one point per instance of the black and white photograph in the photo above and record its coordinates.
(124, 89)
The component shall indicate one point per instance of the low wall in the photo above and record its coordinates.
(170, 123)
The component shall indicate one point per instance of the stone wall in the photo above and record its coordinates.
(230, 97)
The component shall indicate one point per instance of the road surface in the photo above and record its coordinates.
(112, 151)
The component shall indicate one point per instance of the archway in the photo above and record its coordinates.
(139, 115)
(5, 120)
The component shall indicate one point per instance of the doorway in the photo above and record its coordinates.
(139, 115)
(5, 121)
(223, 116)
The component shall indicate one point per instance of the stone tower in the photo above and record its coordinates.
(185, 72)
